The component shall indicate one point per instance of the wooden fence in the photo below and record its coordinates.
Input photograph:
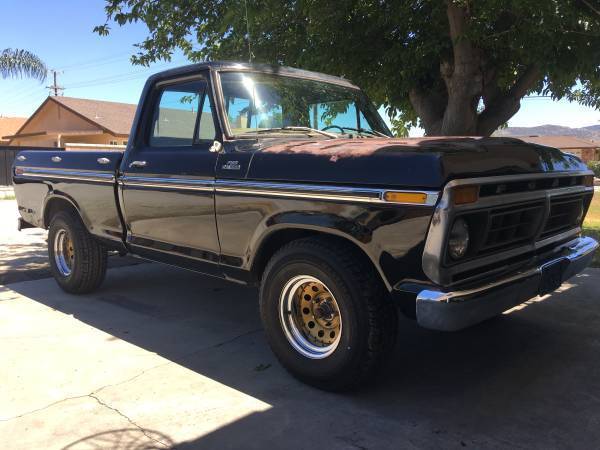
(7, 156)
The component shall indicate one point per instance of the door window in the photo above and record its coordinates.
(176, 122)
(206, 127)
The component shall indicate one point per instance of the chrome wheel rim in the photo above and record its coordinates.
(310, 317)
(64, 254)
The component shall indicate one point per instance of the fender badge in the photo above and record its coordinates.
(231, 165)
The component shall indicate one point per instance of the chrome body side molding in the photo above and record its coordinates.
(66, 174)
(301, 191)
(168, 183)
(317, 192)
(292, 190)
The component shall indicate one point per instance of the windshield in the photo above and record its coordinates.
(265, 103)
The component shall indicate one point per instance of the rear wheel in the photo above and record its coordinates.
(326, 314)
(77, 260)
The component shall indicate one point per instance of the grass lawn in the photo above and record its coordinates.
(591, 226)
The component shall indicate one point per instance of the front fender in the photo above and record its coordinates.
(324, 224)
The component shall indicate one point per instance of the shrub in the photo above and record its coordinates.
(595, 166)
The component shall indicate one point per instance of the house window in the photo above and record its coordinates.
(124, 142)
(113, 142)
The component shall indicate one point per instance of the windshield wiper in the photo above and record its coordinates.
(288, 128)
(363, 130)
(375, 132)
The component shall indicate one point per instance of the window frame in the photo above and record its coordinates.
(214, 113)
(153, 101)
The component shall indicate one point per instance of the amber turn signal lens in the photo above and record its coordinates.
(588, 180)
(465, 194)
(405, 197)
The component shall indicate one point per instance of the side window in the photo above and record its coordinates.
(176, 113)
(206, 126)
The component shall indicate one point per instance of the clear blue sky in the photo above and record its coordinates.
(60, 32)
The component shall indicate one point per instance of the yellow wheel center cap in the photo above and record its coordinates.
(320, 314)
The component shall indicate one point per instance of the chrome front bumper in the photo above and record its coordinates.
(454, 310)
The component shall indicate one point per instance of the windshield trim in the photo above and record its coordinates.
(293, 73)
(303, 75)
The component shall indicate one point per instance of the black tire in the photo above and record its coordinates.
(88, 266)
(368, 316)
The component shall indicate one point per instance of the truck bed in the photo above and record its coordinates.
(85, 178)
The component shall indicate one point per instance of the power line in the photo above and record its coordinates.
(18, 93)
(31, 95)
(28, 92)
(108, 79)
(96, 61)
(126, 76)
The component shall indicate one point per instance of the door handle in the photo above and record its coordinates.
(103, 160)
(137, 164)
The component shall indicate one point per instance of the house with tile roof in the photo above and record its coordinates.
(75, 123)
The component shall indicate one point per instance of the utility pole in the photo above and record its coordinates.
(55, 87)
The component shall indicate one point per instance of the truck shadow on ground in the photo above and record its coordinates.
(25, 262)
(522, 379)
(126, 438)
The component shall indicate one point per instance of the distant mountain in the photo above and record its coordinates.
(594, 128)
(591, 133)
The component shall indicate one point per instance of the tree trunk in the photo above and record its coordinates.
(462, 77)
(453, 109)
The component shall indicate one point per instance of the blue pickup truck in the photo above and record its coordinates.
(291, 180)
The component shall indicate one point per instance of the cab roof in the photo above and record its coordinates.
(222, 66)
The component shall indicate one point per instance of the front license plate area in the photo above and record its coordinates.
(552, 276)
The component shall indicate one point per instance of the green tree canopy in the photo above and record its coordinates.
(456, 67)
(19, 63)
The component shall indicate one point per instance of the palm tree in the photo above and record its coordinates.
(20, 63)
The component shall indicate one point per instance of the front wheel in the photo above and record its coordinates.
(326, 314)
(77, 261)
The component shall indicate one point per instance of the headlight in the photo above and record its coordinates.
(458, 243)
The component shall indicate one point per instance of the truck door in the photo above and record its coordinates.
(167, 177)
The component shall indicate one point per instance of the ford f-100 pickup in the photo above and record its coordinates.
(291, 180)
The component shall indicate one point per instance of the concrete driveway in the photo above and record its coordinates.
(163, 358)
(23, 254)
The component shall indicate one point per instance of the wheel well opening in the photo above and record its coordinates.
(56, 205)
(280, 238)
(273, 243)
